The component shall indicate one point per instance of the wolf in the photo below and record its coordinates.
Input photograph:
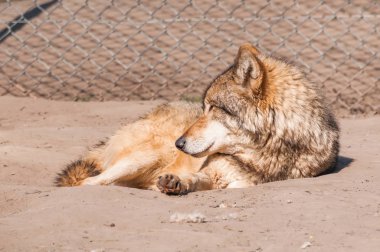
(261, 120)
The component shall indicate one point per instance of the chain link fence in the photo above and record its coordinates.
(130, 50)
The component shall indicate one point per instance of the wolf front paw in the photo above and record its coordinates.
(171, 184)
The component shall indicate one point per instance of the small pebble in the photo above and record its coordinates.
(306, 244)
(222, 205)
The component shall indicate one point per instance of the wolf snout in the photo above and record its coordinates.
(180, 143)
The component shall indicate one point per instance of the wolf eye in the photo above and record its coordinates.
(207, 108)
(225, 110)
(213, 107)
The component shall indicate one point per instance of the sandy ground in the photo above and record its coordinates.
(335, 212)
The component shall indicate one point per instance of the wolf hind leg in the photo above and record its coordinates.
(132, 164)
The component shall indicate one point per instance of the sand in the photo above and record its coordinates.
(334, 212)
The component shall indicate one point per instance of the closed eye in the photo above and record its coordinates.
(207, 108)
(225, 110)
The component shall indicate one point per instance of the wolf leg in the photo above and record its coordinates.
(219, 171)
(128, 166)
(173, 184)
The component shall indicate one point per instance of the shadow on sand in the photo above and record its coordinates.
(343, 162)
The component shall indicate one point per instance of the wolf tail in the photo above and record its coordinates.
(76, 172)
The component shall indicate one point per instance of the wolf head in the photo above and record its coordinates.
(226, 104)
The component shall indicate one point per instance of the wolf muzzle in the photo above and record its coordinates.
(180, 143)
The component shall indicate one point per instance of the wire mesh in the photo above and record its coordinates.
(131, 50)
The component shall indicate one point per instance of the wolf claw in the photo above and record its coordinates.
(171, 184)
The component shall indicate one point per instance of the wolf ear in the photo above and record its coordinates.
(248, 70)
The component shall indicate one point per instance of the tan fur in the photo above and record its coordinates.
(262, 121)
(150, 140)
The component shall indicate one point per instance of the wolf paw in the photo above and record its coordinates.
(171, 184)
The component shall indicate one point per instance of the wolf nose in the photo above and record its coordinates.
(180, 142)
